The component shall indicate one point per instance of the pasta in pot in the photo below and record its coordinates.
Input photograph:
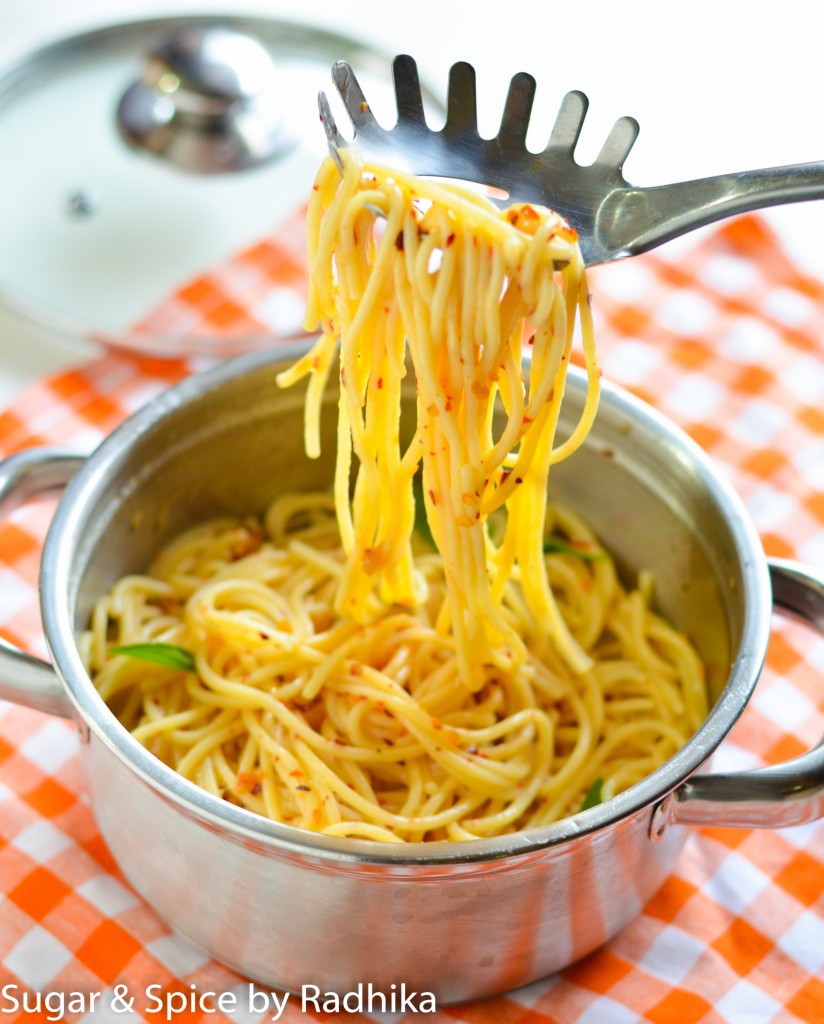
(352, 676)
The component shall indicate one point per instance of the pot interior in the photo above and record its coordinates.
(229, 441)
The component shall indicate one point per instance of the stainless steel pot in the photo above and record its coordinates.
(461, 921)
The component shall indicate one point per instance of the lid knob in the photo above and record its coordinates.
(206, 102)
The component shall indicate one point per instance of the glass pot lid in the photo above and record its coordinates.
(154, 177)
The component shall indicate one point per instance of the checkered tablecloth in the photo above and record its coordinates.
(726, 338)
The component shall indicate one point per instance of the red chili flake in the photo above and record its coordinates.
(472, 748)
(380, 383)
(257, 789)
(433, 497)
(247, 781)
(448, 406)
(437, 723)
(399, 242)
(263, 636)
(315, 187)
(450, 239)
(527, 420)
(531, 340)
(296, 773)
(519, 480)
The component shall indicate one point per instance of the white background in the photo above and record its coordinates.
(717, 85)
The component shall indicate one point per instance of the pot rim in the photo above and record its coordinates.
(56, 579)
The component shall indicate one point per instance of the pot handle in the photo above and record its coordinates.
(36, 473)
(779, 795)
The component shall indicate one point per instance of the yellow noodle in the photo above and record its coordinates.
(351, 680)
(314, 725)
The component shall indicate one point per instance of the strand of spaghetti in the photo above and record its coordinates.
(226, 692)
(584, 425)
(369, 707)
(377, 814)
(344, 681)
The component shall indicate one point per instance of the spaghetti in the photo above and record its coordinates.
(350, 676)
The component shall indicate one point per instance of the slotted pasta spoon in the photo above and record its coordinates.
(613, 218)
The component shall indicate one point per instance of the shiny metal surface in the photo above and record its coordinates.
(613, 218)
(289, 907)
(208, 101)
(94, 240)
(28, 476)
(791, 793)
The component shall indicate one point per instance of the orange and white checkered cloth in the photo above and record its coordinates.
(727, 340)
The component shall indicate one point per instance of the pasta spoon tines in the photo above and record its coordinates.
(613, 218)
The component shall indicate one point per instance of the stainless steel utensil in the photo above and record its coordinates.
(462, 920)
(613, 218)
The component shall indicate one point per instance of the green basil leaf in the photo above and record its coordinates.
(554, 545)
(594, 795)
(168, 655)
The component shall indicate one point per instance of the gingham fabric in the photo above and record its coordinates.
(728, 340)
(258, 292)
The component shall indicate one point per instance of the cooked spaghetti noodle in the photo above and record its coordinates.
(348, 677)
